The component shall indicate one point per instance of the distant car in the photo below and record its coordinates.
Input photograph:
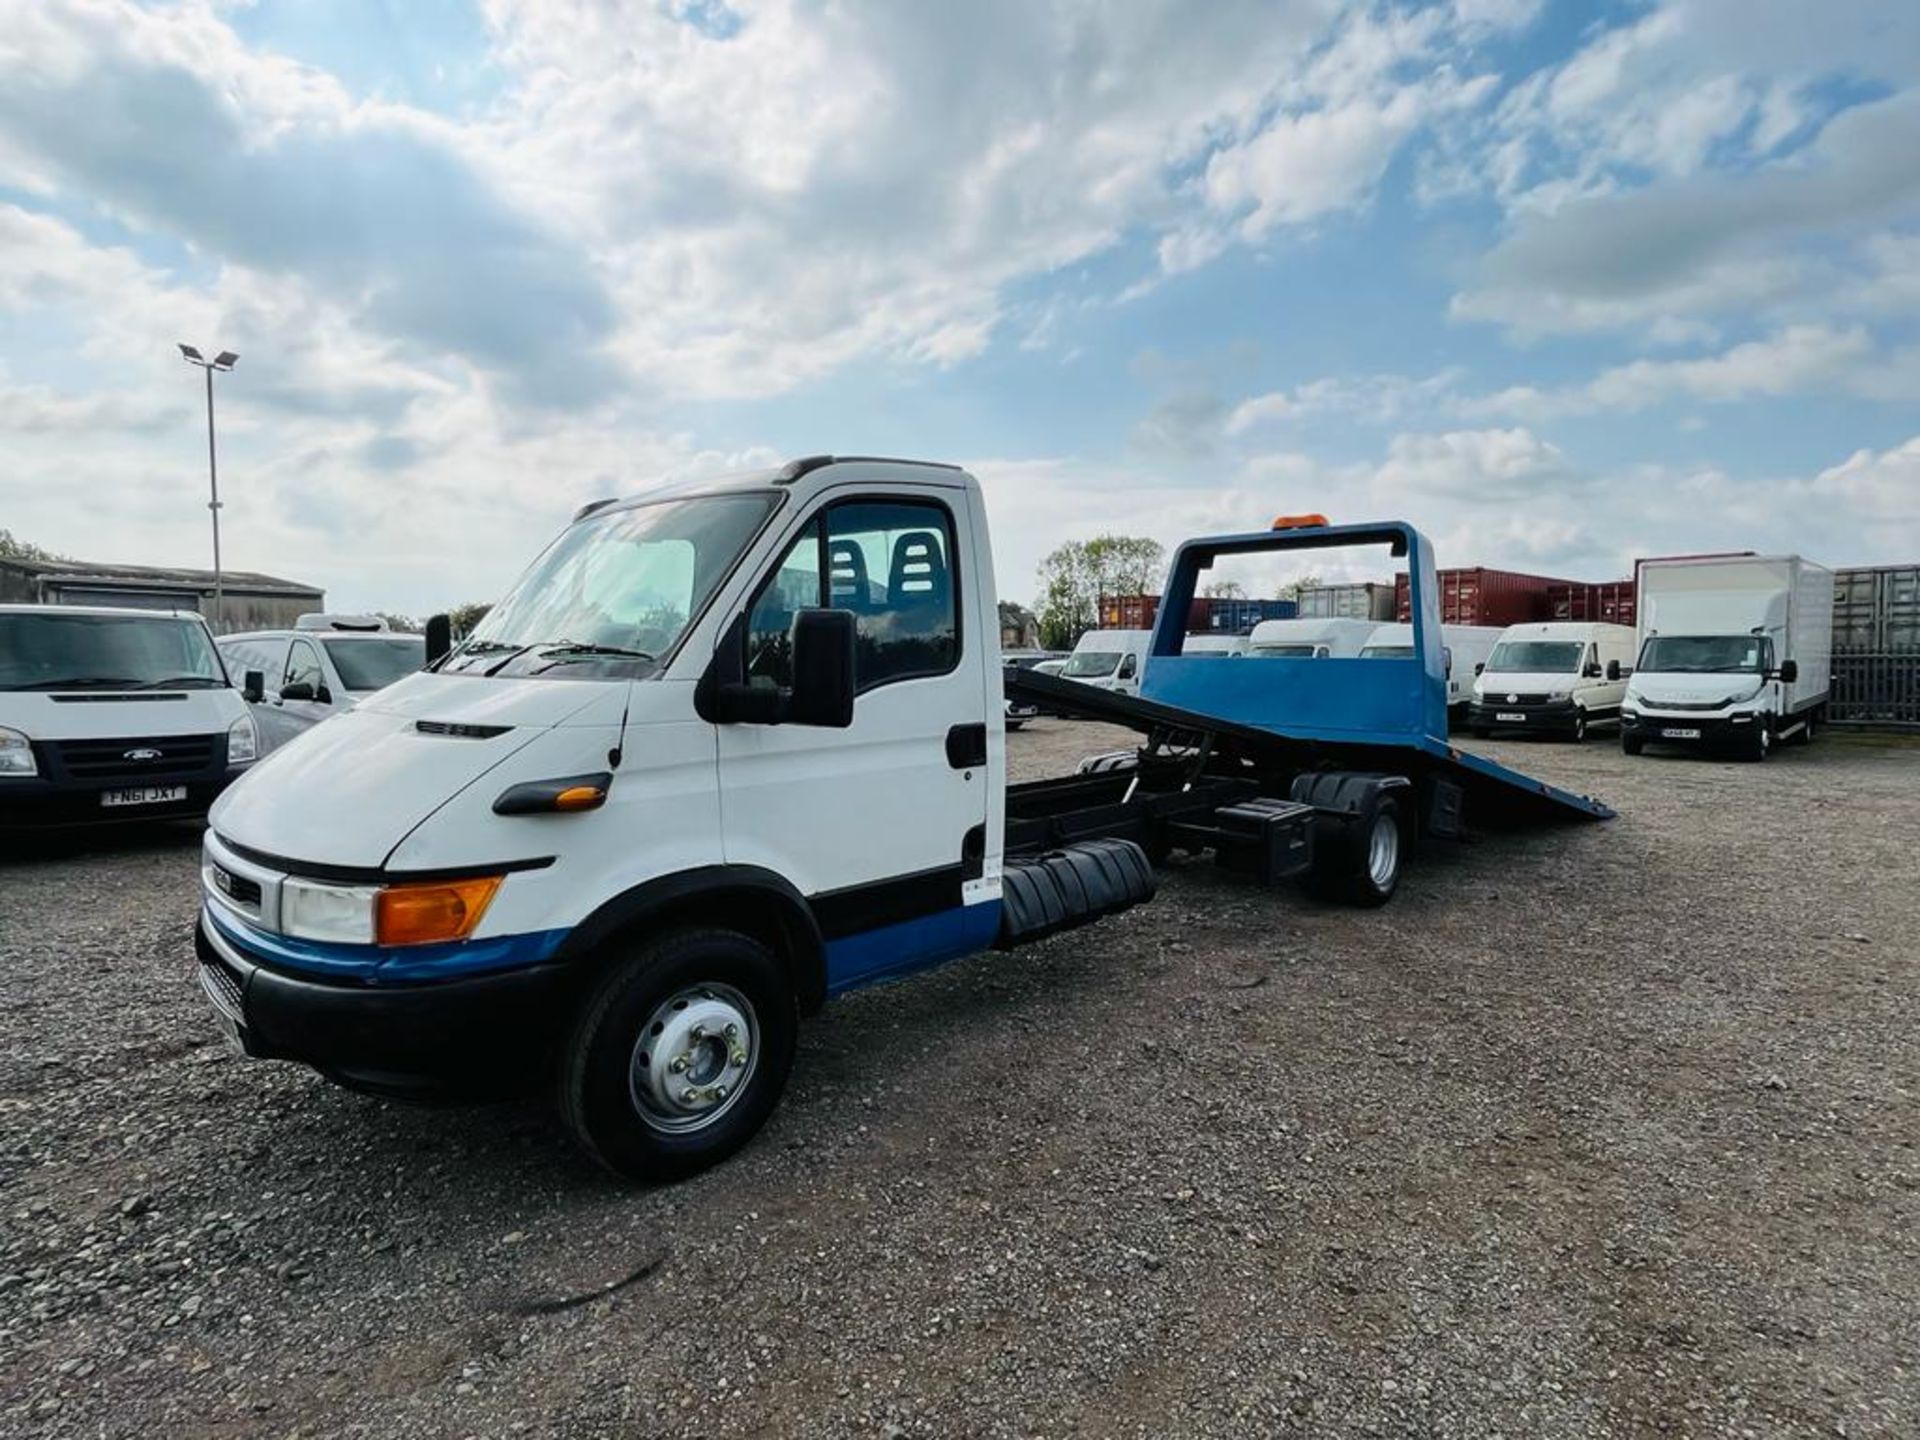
(1021, 711)
(317, 670)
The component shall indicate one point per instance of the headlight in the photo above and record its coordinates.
(243, 742)
(16, 754)
(316, 911)
(1560, 694)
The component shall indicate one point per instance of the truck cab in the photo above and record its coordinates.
(114, 715)
(726, 749)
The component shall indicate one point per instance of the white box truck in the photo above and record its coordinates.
(1736, 652)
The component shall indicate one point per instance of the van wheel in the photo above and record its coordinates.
(1358, 861)
(1631, 744)
(678, 1055)
(1805, 737)
(1579, 736)
(1761, 745)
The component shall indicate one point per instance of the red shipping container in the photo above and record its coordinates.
(1610, 601)
(1137, 612)
(1479, 596)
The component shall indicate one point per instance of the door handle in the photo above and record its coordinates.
(967, 746)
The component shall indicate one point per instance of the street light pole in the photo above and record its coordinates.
(225, 360)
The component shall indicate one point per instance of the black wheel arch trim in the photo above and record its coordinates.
(806, 948)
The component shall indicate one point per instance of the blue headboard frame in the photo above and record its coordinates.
(1334, 699)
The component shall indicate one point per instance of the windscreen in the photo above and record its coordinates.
(1536, 657)
(1387, 652)
(1704, 654)
(1090, 664)
(1283, 652)
(612, 596)
(106, 652)
(374, 664)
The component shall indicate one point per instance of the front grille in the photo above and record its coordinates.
(223, 989)
(1515, 699)
(237, 888)
(1653, 704)
(134, 759)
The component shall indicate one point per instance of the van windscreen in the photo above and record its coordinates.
(1536, 657)
(65, 651)
(1090, 664)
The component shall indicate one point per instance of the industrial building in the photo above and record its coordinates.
(249, 601)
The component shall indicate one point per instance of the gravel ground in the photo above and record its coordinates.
(1604, 1131)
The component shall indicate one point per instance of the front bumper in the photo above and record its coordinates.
(1554, 717)
(473, 1037)
(1708, 731)
(42, 803)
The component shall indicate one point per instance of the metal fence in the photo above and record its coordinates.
(1876, 690)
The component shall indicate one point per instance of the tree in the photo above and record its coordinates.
(1225, 590)
(1075, 576)
(1291, 590)
(464, 617)
(12, 549)
(397, 621)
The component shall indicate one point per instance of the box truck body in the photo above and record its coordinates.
(1735, 652)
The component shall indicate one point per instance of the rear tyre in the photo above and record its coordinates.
(679, 1054)
(1358, 862)
(1631, 744)
(1805, 737)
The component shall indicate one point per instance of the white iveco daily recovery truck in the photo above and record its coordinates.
(728, 748)
(1736, 653)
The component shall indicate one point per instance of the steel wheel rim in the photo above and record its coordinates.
(1383, 851)
(694, 1058)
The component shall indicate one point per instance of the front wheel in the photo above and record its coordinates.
(1761, 745)
(1631, 744)
(678, 1056)
(1579, 736)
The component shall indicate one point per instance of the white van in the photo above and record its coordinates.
(325, 665)
(1558, 677)
(1108, 660)
(114, 715)
(1223, 647)
(1464, 648)
(1317, 639)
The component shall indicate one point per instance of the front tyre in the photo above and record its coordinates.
(1579, 736)
(1760, 745)
(679, 1054)
(1631, 744)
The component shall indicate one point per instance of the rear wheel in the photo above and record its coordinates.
(1358, 861)
(1805, 736)
(678, 1056)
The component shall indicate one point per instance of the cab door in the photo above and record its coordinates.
(881, 824)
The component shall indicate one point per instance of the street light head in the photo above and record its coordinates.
(188, 351)
(225, 360)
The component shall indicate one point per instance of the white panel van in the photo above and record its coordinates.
(1556, 677)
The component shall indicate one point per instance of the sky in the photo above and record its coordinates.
(1560, 282)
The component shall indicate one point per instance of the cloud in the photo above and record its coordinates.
(168, 123)
(1801, 359)
(1882, 487)
(1383, 399)
(1709, 244)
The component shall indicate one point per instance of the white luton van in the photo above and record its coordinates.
(727, 748)
(1313, 639)
(114, 715)
(1553, 677)
(1465, 650)
(1736, 652)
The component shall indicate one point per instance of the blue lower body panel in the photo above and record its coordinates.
(895, 950)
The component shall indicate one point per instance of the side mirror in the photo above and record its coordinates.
(323, 695)
(1480, 668)
(253, 687)
(822, 693)
(823, 652)
(298, 690)
(439, 638)
(1789, 671)
(1613, 669)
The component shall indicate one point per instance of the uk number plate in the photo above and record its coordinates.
(1679, 734)
(145, 795)
(1508, 715)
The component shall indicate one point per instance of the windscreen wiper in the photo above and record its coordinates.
(181, 682)
(562, 652)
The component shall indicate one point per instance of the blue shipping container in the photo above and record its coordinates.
(1236, 617)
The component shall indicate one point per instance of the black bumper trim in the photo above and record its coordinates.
(477, 1037)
